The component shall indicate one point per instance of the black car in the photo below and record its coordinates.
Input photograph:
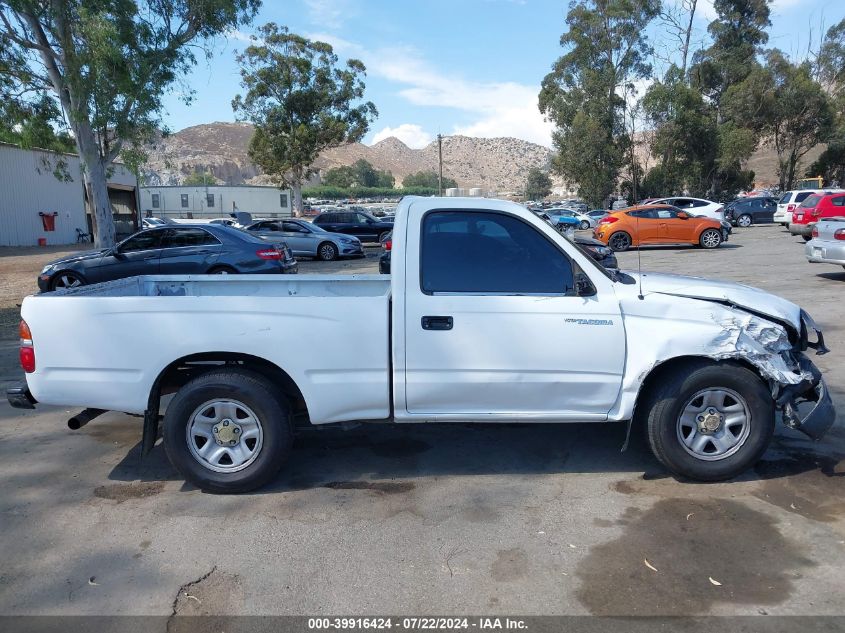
(595, 249)
(358, 223)
(171, 250)
(748, 211)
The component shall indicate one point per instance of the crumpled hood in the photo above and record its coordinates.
(740, 295)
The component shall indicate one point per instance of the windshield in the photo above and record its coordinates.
(314, 228)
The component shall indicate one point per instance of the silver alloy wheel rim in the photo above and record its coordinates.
(327, 252)
(224, 435)
(744, 220)
(714, 424)
(619, 241)
(68, 281)
(711, 238)
(585, 225)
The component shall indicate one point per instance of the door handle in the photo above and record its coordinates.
(437, 323)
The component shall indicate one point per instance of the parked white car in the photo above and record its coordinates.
(695, 206)
(827, 245)
(488, 315)
(791, 200)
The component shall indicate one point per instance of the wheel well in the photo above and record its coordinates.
(221, 267)
(674, 365)
(180, 371)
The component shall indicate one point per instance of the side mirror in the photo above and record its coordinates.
(683, 215)
(583, 286)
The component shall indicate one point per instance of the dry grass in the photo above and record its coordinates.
(19, 268)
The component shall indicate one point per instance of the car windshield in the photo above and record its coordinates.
(314, 228)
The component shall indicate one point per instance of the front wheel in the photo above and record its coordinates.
(710, 238)
(66, 279)
(744, 220)
(584, 225)
(228, 431)
(711, 422)
(327, 252)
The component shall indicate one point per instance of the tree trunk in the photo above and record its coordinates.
(96, 186)
(296, 202)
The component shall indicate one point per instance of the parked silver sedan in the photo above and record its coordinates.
(308, 240)
(828, 243)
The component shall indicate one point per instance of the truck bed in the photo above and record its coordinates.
(328, 332)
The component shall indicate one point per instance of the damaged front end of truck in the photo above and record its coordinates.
(778, 350)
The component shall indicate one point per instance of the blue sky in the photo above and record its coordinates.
(452, 66)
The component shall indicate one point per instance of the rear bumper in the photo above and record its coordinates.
(801, 229)
(19, 397)
(825, 252)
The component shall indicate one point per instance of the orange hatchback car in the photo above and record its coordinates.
(657, 224)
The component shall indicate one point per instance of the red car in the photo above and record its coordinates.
(813, 209)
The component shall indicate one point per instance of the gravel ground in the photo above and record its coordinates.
(460, 519)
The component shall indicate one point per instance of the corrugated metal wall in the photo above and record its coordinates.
(258, 200)
(28, 186)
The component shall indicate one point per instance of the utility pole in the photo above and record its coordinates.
(440, 164)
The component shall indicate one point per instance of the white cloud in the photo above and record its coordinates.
(328, 13)
(409, 133)
(235, 34)
(499, 108)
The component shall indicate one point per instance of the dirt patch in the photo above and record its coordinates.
(384, 487)
(812, 486)
(510, 565)
(689, 542)
(214, 593)
(124, 492)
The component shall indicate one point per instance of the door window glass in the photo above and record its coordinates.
(142, 241)
(188, 237)
(477, 252)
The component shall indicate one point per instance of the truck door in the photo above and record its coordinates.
(494, 327)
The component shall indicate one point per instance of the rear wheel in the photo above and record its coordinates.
(710, 238)
(66, 279)
(806, 238)
(619, 241)
(327, 252)
(584, 225)
(222, 270)
(228, 431)
(744, 220)
(710, 422)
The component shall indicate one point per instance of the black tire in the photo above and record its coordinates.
(619, 241)
(807, 238)
(327, 252)
(710, 238)
(667, 400)
(222, 270)
(66, 279)
(584, 225)
(744, 220)
(254, 391)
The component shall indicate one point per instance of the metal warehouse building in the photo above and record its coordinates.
(43, 198)
(214, 201)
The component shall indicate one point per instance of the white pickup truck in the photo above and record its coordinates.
(489, 315)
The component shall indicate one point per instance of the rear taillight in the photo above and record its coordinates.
(815, 212)
(790, 207)
(609, 220)
(270, 253)
(388, 245)
(839, 234)
(27, 351)
(815, 232)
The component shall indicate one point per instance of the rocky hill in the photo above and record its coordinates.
(499, 164)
